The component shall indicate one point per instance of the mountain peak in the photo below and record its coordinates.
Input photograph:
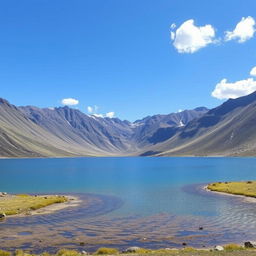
(4, 101)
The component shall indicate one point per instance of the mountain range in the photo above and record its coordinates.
(227, 130)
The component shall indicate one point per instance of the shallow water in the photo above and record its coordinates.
(150, 202)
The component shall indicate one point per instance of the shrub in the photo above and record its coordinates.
(143, 251)
(65, 252)
(233, 247)
(107, 251)
(189, 249)
(4, 253)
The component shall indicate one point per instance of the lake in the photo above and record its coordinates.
(147, 202)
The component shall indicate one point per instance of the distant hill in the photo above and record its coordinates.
(229, 129)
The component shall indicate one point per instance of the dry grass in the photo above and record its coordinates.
(233, 247)
(4, 253)
(17, 204)
(245, 188)
(107, 251)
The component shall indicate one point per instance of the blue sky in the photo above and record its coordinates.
(118, 54)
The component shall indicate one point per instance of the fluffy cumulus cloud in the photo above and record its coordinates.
(226, 90)
(110, 114)
(243, 31)
(189, 38)
(70, 102)
(253, 71)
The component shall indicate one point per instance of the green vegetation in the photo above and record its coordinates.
(16, 204)
(65, 252)
(233, 247)
(4, 253)
(230, 250)
(107, 251)
(245, 188)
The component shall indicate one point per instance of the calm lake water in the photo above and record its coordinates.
(150, 202)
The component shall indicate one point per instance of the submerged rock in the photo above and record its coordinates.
(218, 248)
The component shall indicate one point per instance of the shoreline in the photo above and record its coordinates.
(248, 199)
(128, 156)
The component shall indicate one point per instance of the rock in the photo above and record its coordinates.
(84, 253)
(132, 249)
(2, 216)
(184, 244)
(248, 244)
(200, 228)
(218, 248)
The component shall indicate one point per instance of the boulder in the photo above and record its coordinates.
(2, 216)
(84, 253)
(132, 249)
(248, 244)
(218, 248)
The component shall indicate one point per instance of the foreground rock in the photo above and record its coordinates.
(249, 245)
(218, 248)
(132, 249)
(2, 216)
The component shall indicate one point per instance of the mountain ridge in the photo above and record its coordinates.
(29, 131)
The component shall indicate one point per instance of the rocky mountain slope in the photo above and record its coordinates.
(229, 129)
(34, 132)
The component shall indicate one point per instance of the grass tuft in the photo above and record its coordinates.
(106, 251)
(233, 247)
(4, 253)
(65, 252)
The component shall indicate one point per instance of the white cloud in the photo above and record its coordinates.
(189, 38)
(253, 71)
(70, 102)
(243, 31)
(225, 90)
(110, 114)
(173, 26)
(92, 109)
(89, 109)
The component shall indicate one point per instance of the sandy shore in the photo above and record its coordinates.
(245, 198)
